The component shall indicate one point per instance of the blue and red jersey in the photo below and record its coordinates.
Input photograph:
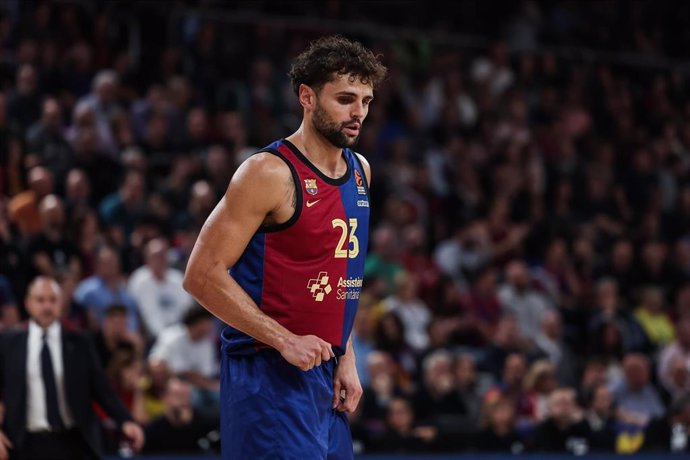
(307, 273)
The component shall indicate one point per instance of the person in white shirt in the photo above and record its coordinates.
(412, 311)
(189, 350)
(518, 297)
(158, 290)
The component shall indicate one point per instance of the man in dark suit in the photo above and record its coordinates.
(49, 378)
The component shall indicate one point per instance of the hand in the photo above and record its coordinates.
(306, 351)
(346, 386)
(135, 434)
(425, 433)
(5, 445)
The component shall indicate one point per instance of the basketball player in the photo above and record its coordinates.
(281, 259)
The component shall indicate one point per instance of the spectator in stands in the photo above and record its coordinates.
(511, 387)
(156, 381)
(24, 103)
(621, 268)
(384, 385)
(102, 101)
(157, 289)
(218, 168)
(436, 401)
(519, 298)
(121, 210)
(677, 351)
(506, 341)
(86, 238)
(551, 344)
(601, 418)
(497, 432)
(557, 275)
(481, 309)
(382, 260)
(114, 335)
(416, 261)
(461, 256)
(202, 199)
(23, 207)
(78, 197)
(46, 140)
(414, 314)
(50, 253)
(471, 386)
(678, 378)
(564, 430)
(655, 268)
(103, 171)
(653, 318)
(540, 381)
(125, 372)
(670, 433)
(188, 350)
(390, 337)
(635, 393)
(610, 310)
(104, 288)
(403, 434)
(181, 429)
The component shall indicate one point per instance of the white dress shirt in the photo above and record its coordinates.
(37, 414)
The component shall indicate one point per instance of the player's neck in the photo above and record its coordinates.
(318, 150)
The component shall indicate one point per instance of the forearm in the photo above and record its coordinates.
(220, 294)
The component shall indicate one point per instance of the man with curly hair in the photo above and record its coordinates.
(281, 261)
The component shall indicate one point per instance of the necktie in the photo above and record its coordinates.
(48, 374)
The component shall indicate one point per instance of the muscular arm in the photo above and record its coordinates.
(249, 199)
(256, 195)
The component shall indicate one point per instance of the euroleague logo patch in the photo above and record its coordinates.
(360, 183)
(310, 186)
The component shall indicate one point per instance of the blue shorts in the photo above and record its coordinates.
(271, 409)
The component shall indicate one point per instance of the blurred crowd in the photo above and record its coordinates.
(528, 279)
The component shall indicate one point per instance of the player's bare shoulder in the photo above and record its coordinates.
(366, 166)
(268, 182)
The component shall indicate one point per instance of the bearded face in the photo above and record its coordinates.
(342, 135)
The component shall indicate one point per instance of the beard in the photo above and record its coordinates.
(332, 130)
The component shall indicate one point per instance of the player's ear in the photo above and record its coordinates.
(307, 97)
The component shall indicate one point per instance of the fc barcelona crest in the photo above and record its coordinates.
(310, 186)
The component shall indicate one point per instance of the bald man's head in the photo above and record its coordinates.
(40, 180)
(44, 301)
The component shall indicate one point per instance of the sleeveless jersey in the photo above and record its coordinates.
(307, 272)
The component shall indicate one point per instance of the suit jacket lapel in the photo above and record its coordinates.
(20, 356)
(67, 365)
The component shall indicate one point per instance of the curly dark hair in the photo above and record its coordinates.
(335, 55)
